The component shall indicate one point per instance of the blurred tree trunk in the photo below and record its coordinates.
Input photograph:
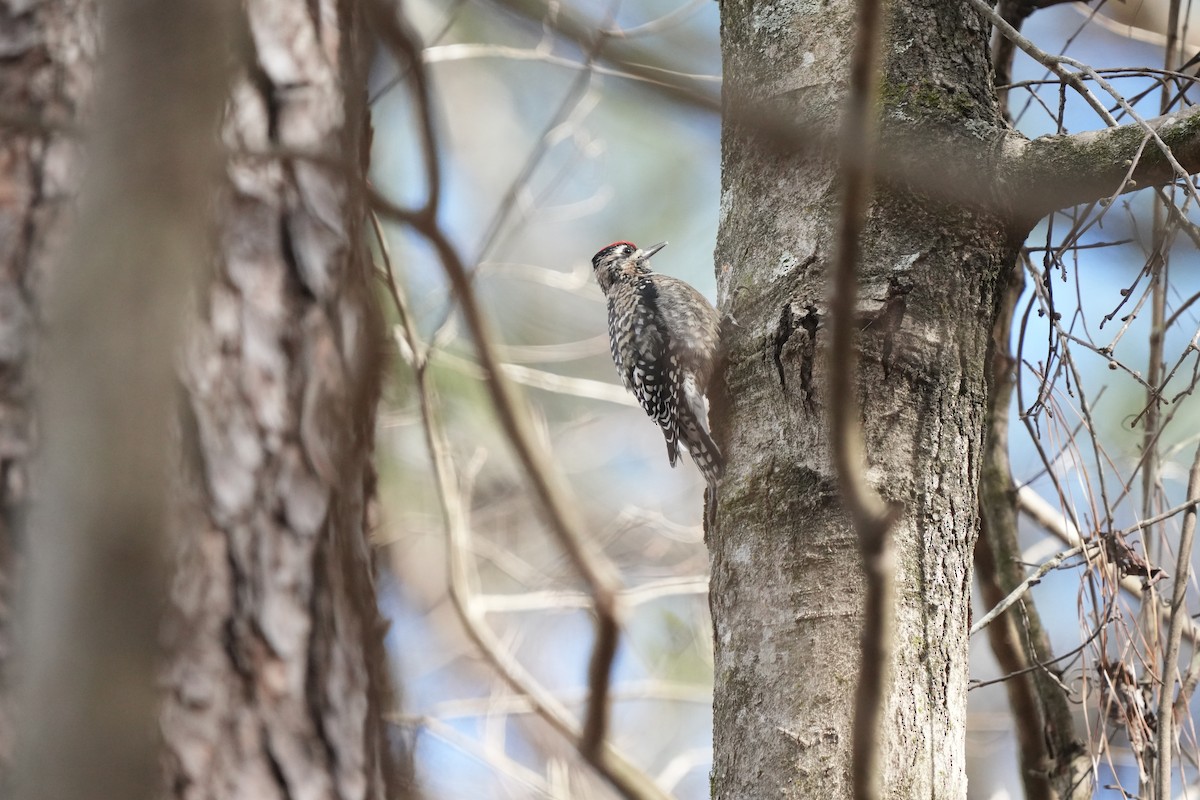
(277, 684)
(787, 583)
(45, 79)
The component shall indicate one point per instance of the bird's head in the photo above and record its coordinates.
(622, 260)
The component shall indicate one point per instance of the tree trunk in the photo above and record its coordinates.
(277, 684)
(787, 582)
(45, 78)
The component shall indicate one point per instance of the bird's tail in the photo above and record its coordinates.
(671, 433)
(703, 449)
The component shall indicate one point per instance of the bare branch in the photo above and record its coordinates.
(629, 59)
(597, 572)
(871, 517)
(1008, 646)
(564, 601)
(575, 95)
(1034, 579)
(1053, 521)
(548, 381)
(1054, 172)
(1183, 565)
(1188, 505)
(1052, 761)
(1053, 63)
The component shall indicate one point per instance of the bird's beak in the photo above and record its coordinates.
(649, 251)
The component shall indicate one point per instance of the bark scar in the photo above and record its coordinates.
(783, 332)
(804, 323)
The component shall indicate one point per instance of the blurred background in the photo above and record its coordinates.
(548, 155)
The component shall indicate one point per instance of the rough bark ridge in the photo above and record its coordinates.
(786, 579)
(277, 685)
(45, 79)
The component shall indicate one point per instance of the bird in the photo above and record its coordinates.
(664, 338)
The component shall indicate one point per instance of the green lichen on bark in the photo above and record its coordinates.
(1062, 170)
(925, 100)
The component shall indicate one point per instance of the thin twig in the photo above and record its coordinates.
(1183, 565)
(1053, 521)
(561, 601)
(470, 50)
(1033, 580)
(547, 381)
(1188, 505)
(1056, 65)
(398, 36)
(519, 704)
(1043, 666)
(487, 754)
(1152, 412)
(597, 572)
(575, 94)
(1050, 62)
(655, 27)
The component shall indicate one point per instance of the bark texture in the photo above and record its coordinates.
(786, 589)
(277, 685)
(45, 79)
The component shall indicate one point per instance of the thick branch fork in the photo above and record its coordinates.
(1023, 178)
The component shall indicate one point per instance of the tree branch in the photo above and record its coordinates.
(1166, 717)
(1052, 756)
(1007, 646)
(1029, 178)
(1033, 579)
(1054, 522)
(634, 60)
(1052, 172)
(871, 516)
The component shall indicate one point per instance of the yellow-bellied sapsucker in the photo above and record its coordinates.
(663, 335)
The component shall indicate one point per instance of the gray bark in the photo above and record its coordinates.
(786, 577)
(277, 684)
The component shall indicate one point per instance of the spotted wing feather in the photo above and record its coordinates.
(641, 349)
(693, 330)
(692, 325)
(663, 336)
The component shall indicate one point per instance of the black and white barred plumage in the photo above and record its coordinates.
(663, 336)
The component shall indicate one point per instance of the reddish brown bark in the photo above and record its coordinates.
(277, 683)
